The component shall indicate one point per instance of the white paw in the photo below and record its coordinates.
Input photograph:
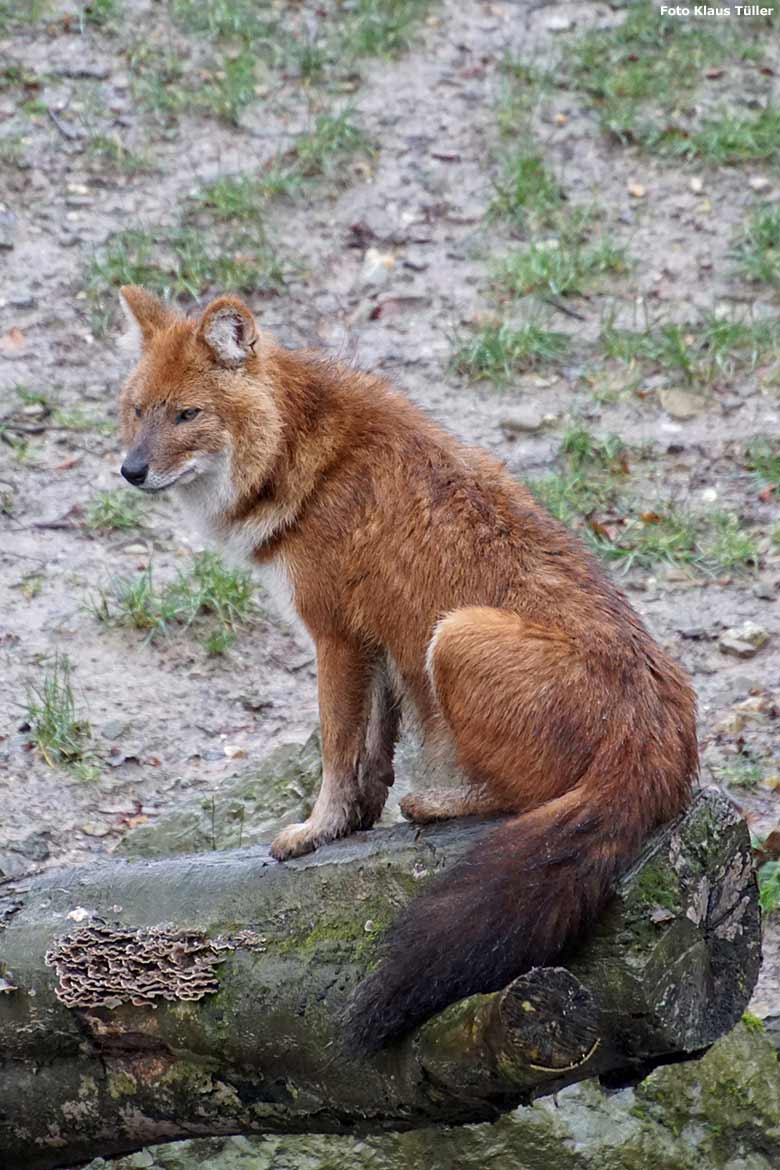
(295, 840)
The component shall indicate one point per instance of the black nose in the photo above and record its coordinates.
(135, 471)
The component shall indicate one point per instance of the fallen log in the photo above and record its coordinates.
(146, 1001)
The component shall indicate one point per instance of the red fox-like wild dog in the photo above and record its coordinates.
(424, 573)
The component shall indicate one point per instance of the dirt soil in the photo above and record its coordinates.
(167, 719)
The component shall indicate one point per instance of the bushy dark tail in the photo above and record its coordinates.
(514, 902)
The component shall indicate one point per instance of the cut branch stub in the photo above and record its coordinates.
(677, 953)
(541, 1029)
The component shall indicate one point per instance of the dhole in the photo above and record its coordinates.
(423, 573)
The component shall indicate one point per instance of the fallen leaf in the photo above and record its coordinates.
(599, 529)
(769, 849)
(14, 339)
(79, 914)
(134, 822)
(234, 751)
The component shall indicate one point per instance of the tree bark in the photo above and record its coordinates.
(148, 1001)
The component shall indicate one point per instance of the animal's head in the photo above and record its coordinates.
(197, 394)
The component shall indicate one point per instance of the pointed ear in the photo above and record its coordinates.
(229, 330)
(145, 314)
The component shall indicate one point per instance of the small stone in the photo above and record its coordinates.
(558, 23)
(35, 846)
(94, 829)
(135, 550)
(743, 641)
(758, 182)
(12, 864)
(677, 574)
(696, 185)
(764, 591)
(522, 421)
(680, 404)
(115, 728)
(140, 1161)
(636, 190)
(23, 300)
(376, 268)
(255, 702)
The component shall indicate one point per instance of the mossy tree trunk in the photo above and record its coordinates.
(201, 995)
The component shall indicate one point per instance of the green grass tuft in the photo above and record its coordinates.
(589, 479)
(180, 263)
(164, 81)
(100, 13)
(526, 193)
(559, 267)
(769, 887)
(590, 491)
(333, 140)
(244, 198)
(246, 20)
(762, 456)
(709, 542)
(702, 352)
(118, 511)
(381, 28)
(649, 60)
(743, 770)
(496, 352)
(727, 544)
(727, 140)
(320, 153)
(110, 150)
(215, 598)
(14, 15)
(59, 734)
(758, 249)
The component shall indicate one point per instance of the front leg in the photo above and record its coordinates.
(375, 773)
(344, 675)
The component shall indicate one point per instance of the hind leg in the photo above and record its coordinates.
(523, 709)
(441, 804)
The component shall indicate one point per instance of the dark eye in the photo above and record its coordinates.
(187, 415)
(137, 411)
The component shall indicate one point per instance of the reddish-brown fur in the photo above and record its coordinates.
(419, 565)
